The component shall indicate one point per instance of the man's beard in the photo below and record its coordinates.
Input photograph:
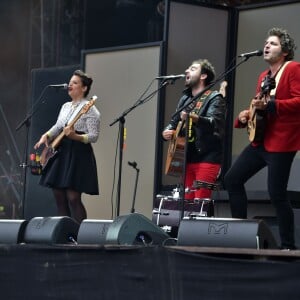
(193, 82)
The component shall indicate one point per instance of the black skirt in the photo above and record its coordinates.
(73, 167)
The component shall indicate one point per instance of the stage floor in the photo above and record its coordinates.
(33, 271)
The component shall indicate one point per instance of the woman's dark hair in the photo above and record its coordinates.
(286, 41)
(85, 79)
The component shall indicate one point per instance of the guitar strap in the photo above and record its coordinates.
(207, 96)
(200, 101)
(277, 78)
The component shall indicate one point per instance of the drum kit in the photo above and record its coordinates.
(170, 209)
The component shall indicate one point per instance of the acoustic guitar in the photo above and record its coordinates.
(50, 152)
(176, 150)
(223, 87)
(175, 155)
(256, 124)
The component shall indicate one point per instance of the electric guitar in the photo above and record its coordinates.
(257, 122)
(50, 152)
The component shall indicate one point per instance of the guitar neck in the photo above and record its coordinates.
(59, 138)
(82, 111)
(178, 129)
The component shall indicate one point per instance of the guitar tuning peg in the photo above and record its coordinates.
(94, 98)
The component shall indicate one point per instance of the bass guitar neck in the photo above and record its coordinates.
(50, 152)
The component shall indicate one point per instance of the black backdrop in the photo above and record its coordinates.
(38, 200)
(148, 273)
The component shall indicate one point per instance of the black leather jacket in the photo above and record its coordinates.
(208, 133)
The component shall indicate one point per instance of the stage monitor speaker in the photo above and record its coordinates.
(232, 233)
(51, 230)
(135, 229)
(12, 231)
(273, 225)
(93, 231)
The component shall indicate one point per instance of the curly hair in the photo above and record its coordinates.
(286, 41)
(85, 79)
(206, 68)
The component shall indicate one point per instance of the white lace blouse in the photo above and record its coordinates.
(88, 123)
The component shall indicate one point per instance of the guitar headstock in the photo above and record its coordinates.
(93, 99)
(88, 105)
(222, 89)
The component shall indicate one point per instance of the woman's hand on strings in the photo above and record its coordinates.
(69, 131)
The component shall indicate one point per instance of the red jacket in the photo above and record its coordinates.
(283, 127)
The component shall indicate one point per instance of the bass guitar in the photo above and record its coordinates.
(50, 152)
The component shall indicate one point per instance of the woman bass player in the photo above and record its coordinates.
(72, 170)
(281, 140)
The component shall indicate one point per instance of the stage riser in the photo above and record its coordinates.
(148, 273)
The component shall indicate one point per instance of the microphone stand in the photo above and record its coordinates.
(135, 185)
(222, 76)
(121, 120)
(27, 123)
(189, 102)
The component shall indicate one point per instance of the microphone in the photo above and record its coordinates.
(63, 86)
(253, 53)
(132, 164)
(171, 77)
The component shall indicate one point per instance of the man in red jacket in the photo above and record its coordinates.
(275, 109)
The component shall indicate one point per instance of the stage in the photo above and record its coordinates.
(70, 271)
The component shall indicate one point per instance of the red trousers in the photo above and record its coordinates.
(207, 172)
